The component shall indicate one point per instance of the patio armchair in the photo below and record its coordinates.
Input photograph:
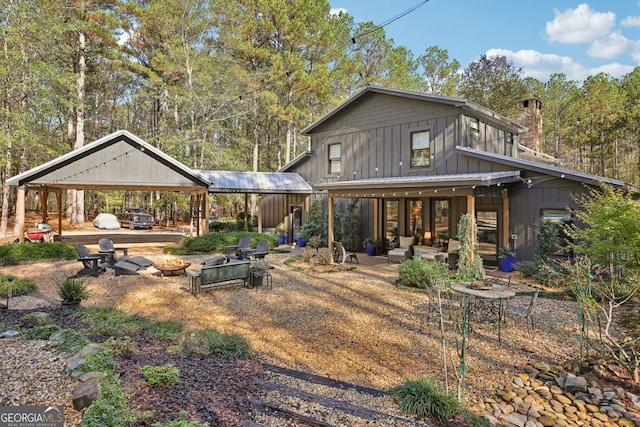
(403, 252)
(341, 255)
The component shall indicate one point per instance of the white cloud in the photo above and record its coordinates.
(542, 65)
(337, 11)
(579, 25)
(631, 21)
(612, 45)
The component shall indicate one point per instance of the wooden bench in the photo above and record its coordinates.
(219, 276)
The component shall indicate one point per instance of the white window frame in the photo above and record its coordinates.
(421, 156)
(335, 159)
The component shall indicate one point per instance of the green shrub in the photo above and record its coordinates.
(165, 328)
(19, 286)
(73, 289)
(111, 410)
(161, 375)
(217, 243)
(17, 253)
(40, 332)
(120, 346)
(70, 341)
(415, 272)
(213, 342)
(425, 397)
(109, 321)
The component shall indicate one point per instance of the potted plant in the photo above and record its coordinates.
(506, 259)
(73, 290)
(280, 232)
(259, 269)
(370, 244)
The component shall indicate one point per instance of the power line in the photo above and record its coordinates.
(352, 40)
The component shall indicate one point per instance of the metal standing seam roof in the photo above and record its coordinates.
(119, 160)
(478, 178)
(255, 182)
(545, 169)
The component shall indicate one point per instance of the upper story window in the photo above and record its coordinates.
(335, 152)
(509, 138)
(420, 148)
(475, 124)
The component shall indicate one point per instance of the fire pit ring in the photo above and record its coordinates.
(171, 268)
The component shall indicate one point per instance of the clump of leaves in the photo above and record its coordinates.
(40, 332)
(70, 341)
(161, 375)
(73, 289)
(121, 346)
(16, 285)
(425, 397)
(211, 341)
(111, 409)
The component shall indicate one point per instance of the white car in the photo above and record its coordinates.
(106, 221)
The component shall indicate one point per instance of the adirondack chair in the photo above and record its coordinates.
(235, 252)
(124, 264)
(93, 263)
(262, 249)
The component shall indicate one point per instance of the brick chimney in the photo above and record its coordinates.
(530, 115)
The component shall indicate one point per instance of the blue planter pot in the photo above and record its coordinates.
(282, 239)
(301, 242)
(371, 249)
(506, 263)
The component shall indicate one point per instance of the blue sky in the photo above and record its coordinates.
(542, 37)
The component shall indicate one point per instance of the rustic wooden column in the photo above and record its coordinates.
(330, 233)
(20, 205)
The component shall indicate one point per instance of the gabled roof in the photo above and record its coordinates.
(474, 109)
(255, 182)
(120, 161)
(300, 158)
(544, 168)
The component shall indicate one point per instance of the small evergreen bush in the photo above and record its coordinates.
(161, 375)
(425, 397)
(73, 289)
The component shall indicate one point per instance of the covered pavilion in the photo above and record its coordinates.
(122, 161)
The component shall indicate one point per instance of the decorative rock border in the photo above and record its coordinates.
(550, 395)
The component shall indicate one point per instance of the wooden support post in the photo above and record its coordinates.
(505, 222)
(330, 226)
(20, 206)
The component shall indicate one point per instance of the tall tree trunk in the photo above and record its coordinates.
(256, 137)
(82, 70)
(5, 193)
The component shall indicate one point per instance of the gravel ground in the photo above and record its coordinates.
(352, 325)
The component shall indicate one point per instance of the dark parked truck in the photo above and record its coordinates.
(136, 218)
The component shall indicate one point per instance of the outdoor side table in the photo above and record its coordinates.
(261, 278)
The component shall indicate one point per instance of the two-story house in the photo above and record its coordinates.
(417, 162)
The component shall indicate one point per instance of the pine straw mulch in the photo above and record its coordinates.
(353, 324)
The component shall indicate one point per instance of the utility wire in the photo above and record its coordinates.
(352, 40)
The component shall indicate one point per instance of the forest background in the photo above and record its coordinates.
(227, 85)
